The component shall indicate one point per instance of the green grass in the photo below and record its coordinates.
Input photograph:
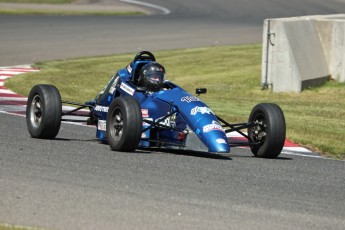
(65, 12)
(62, 12)
(39, 1)
(315, 117)
(17, 227)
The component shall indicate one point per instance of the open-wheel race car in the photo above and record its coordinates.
(139, 108)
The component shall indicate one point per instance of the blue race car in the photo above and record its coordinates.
(139, 108)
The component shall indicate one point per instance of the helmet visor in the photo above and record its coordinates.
(155, 77)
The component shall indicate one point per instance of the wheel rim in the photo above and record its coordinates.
(36, 111)
(258, 132)
(116, 124)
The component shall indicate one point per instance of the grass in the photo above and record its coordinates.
(66, 12)
(315, 117)
(61, 12)
(39, 1)
(17, 227)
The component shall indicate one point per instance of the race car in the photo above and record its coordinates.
(139, 108)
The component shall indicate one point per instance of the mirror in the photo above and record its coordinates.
(199, 91)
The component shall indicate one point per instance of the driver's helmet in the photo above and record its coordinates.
(152, 76)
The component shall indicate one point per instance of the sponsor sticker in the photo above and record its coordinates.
(201, 110)
(100, 108)
(113, 86)
(112, 89)
(129, 69)
(189, 99)
(145, 113)
(211, 127)
(102, 125)
(127, 88)
(221, 141)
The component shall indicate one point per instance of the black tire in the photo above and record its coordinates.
(124, 124)
(43, 112)
(269, 130)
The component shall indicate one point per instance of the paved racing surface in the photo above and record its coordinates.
(74, 182)
(192, 23)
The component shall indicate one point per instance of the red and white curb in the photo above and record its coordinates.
(13, 103)
(289, 147)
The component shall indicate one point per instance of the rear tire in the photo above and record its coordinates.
(43, 112)
(124, 124)
(269, 130)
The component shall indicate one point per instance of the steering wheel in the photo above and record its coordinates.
(144, 55)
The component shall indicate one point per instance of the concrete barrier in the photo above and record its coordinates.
(303, 51)
(332, 34)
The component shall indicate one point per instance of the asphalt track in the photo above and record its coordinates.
(193, 23)
(74, 182)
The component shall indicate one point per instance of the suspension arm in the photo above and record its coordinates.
(81, 106)
(235, 127)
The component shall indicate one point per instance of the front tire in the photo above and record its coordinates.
(43, 112)
(124, 124)
(268, 130)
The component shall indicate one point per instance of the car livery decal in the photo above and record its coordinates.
(100, 108)
(145, 113)
(113, 86)
(201, 110)
(129, 69)
(221, 141)
(102, 125)
(127, 88)
(189, 99)
(211, 127)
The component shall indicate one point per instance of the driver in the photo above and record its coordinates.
(152, 76)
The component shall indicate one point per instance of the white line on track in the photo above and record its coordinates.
(301, 154)
(165, 10)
